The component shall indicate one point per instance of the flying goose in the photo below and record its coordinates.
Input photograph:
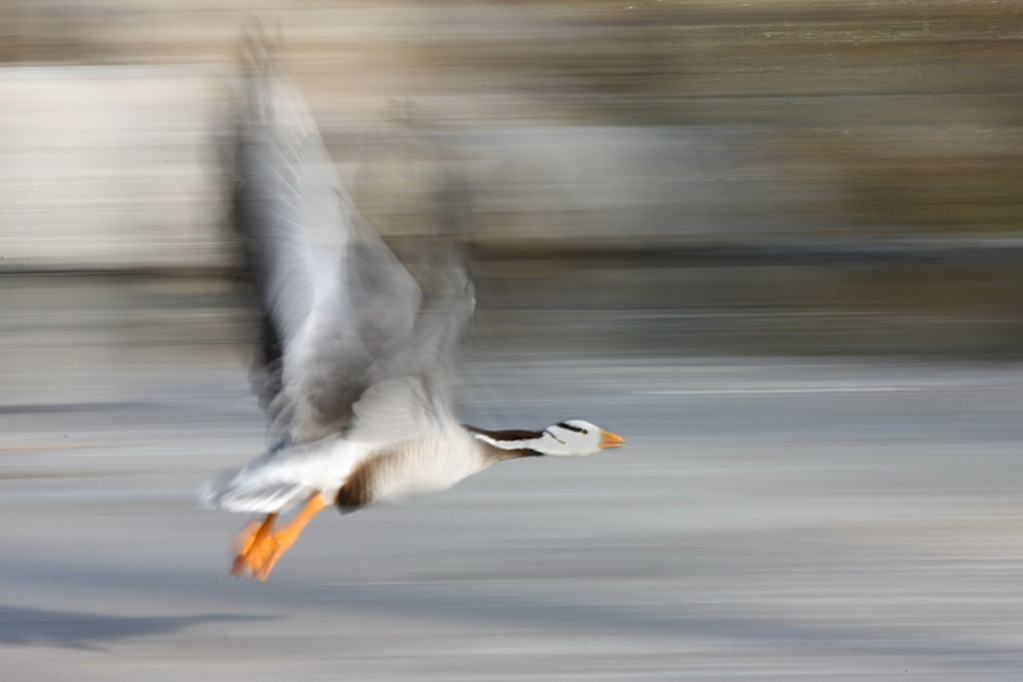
(355, 352)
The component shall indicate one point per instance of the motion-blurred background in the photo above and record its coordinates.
(753, 177)
(767, 241)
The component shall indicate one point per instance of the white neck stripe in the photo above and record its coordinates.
(505, 444)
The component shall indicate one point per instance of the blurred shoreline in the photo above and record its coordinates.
(943, 304)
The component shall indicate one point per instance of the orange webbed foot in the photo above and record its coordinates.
(259, 547)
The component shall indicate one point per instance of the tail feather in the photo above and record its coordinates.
(227, 493)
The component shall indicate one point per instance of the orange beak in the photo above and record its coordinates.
(610, 440)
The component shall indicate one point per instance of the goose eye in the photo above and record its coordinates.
(585, 432)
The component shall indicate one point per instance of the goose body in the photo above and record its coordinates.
(355, 353)
(352, 473)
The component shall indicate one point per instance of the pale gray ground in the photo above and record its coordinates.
(768, 520)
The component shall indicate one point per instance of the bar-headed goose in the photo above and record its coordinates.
(355, 351)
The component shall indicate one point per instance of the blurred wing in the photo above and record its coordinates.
(412, 395)
(350, 343)
(336, 299)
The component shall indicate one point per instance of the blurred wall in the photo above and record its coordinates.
(791, 176)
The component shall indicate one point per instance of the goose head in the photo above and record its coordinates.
(575, 438)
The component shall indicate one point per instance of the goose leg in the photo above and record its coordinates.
(259, 546)
(254, 535)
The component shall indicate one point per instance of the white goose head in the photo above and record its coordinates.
(574, 438)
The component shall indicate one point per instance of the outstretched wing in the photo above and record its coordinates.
(349, 338)
(411, 393)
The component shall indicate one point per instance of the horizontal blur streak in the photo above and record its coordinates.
(813, 138)
(738, 234)
(807, 518)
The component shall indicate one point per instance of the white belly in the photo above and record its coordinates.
(285, 479)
